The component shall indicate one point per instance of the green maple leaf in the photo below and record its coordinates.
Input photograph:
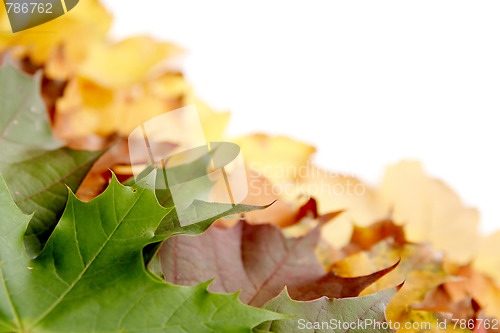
(34, 166)
(211, 211)
(24, 123)
(91, 277)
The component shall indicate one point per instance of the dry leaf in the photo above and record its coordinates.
(258, 260)
(488, 260)
(279, 159)
(430, 211)
(420, 268)
(128, 62)
(59, 45)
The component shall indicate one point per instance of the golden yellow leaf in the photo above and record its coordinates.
(60, 45)
(430, 211)
(83, 105)
(488, 260)
(95, 109)
(120, 65)
(279, 159)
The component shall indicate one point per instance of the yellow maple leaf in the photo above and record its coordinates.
(93, 109)
(279, 159)
(60, 45)
(487, 259)
(430, 211)
(120, 65)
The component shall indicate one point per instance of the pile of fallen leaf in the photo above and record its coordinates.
(309, 244)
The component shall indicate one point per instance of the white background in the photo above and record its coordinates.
(367, 82)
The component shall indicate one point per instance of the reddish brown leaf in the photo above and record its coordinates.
(258, 260)
(363, 239)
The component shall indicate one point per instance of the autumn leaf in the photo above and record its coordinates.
(89, 107)
(279, 159)
(420, 268)
(62, 50)
(435, 287)
(487, 260)
(258, 260)
(287, 165)
(125, 63)
(429, 209)
(472, 284)
(364, 238)
(426, 207)
(440, 300)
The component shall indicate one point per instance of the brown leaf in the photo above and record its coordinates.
(363, 239)
(346, 287)
(258, 260)
(473, 284)
(440, 300)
